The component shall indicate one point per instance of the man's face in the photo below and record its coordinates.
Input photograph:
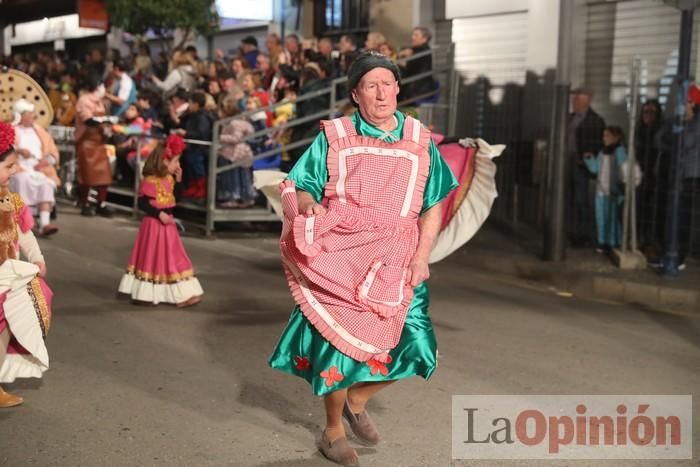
(648, 114)
(292, 45)
(376, 95)
(344, 45)
(263, 63)
(227, 84)
(580, 102)
(417, 38)
(27, 118)
(325, 47)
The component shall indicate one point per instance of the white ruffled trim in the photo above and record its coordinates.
(15, 274)
(21, 366)
(174, 293)
(23, 323)
(475, 207)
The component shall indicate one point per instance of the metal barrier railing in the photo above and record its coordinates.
(212, 214)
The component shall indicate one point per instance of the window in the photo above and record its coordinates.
(338, 17)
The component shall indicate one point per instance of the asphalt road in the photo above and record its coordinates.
(160, 386)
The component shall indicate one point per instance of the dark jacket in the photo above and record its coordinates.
(691, 146)
(589, 134)
(252, 58)
(346, 60)
(647, 153)
(199, 125)
(306, 108)
(416, 67)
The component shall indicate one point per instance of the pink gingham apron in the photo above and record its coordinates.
(347, 268)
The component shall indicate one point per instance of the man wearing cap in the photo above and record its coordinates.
(362, 211)
(585, 138)
(249, 48)
(36, 181)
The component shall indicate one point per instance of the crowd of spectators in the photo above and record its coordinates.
(184, 93)
(599, 158)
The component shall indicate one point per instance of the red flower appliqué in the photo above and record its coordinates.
(302, 363)
(378, 367)
(332, 376)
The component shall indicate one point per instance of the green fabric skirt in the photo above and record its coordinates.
(303, 352)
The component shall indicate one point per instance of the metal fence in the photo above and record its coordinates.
(520, 116)
(335, 108)
(440, 116)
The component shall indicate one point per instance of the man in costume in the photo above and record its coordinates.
(361, 214)
(36, 180)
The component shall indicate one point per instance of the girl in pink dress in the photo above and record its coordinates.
(25, 300)
(159, 269)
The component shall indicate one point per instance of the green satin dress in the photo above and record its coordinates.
(302, 351)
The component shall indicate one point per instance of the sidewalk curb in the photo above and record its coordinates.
(591, 284)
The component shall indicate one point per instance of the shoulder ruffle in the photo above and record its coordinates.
(148, 187)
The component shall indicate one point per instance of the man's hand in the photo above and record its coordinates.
(314, 209)
(24, 153)
(42, 268)
(308, 205)
(418, 271)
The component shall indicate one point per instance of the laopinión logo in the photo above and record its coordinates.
(572, 427)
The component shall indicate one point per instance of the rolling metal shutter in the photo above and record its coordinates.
(490, 55)
(493, 46)
(619, 32)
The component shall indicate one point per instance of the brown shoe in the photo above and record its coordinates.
(338, 451)
(190, 301)
(9, 400)
(49, 229)
(362, 425)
